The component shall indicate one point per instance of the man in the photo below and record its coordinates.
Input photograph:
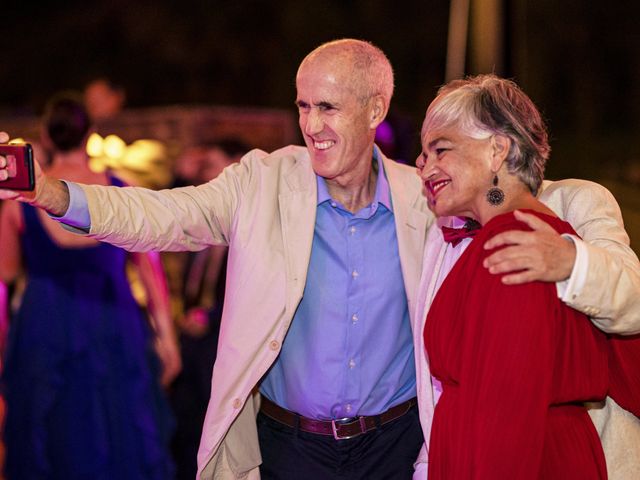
(326, 240)
(104, 99)
(325, 250)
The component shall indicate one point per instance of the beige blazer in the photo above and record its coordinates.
(264, 208)
(611, 296)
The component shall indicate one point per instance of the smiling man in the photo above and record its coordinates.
(325, 248)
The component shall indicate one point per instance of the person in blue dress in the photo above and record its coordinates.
(81, 378)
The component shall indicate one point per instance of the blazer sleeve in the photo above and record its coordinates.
(187, 218)
(611, 292)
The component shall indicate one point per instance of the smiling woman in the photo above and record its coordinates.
(514, 362)
(454, 165)
(472, 130)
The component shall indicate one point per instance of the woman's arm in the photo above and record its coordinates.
(153, 278)
(11, 227)
(4, 319)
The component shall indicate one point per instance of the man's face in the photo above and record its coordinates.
(189, 165)
(216, 161)
(338, 128)
(102, 101)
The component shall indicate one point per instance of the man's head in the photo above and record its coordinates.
(369, 70)
(344, 89)
(66, 122)
(103, 98)
(205, 161)
(220, 155)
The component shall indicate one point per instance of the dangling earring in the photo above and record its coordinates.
(495, 195)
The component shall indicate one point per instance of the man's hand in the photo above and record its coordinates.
(538, 255)
(20, 195)
(49, 194)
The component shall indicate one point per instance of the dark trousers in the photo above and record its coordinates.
(388, 452)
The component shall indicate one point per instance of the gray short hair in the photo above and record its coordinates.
(372, 73)
(485, 105)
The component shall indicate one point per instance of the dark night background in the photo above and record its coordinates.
(579, 61)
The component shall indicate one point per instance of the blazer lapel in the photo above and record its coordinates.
(412, 220)
(298, 202)
(435, 249)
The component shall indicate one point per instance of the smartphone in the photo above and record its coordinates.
(19, 165)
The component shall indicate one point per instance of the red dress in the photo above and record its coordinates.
(516, 364)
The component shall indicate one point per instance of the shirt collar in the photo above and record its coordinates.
(382, 195)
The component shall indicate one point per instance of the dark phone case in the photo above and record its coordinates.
(20, 167)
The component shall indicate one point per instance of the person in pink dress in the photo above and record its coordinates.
(515, 363)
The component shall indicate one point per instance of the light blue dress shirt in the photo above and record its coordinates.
(77, 215)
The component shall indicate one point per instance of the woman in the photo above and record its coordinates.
(515, 363)
(81, 378)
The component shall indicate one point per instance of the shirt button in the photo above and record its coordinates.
(347, 408)
(354, 318)
(355, 274)
(352, 363)
(274, 345)
(237, 403)
(352, 230)
(334, 204)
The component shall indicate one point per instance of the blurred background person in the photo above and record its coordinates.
(4, 317)
(203, 277)
(103, 98)
(187, 168)
(4, 304)
(396, 137)
(4, 325)
(81, 378)
(200, 290)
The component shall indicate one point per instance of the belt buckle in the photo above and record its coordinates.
(343, 421)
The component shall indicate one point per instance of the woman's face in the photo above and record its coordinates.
(456, 171)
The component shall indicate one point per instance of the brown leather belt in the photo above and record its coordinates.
(340, 429)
